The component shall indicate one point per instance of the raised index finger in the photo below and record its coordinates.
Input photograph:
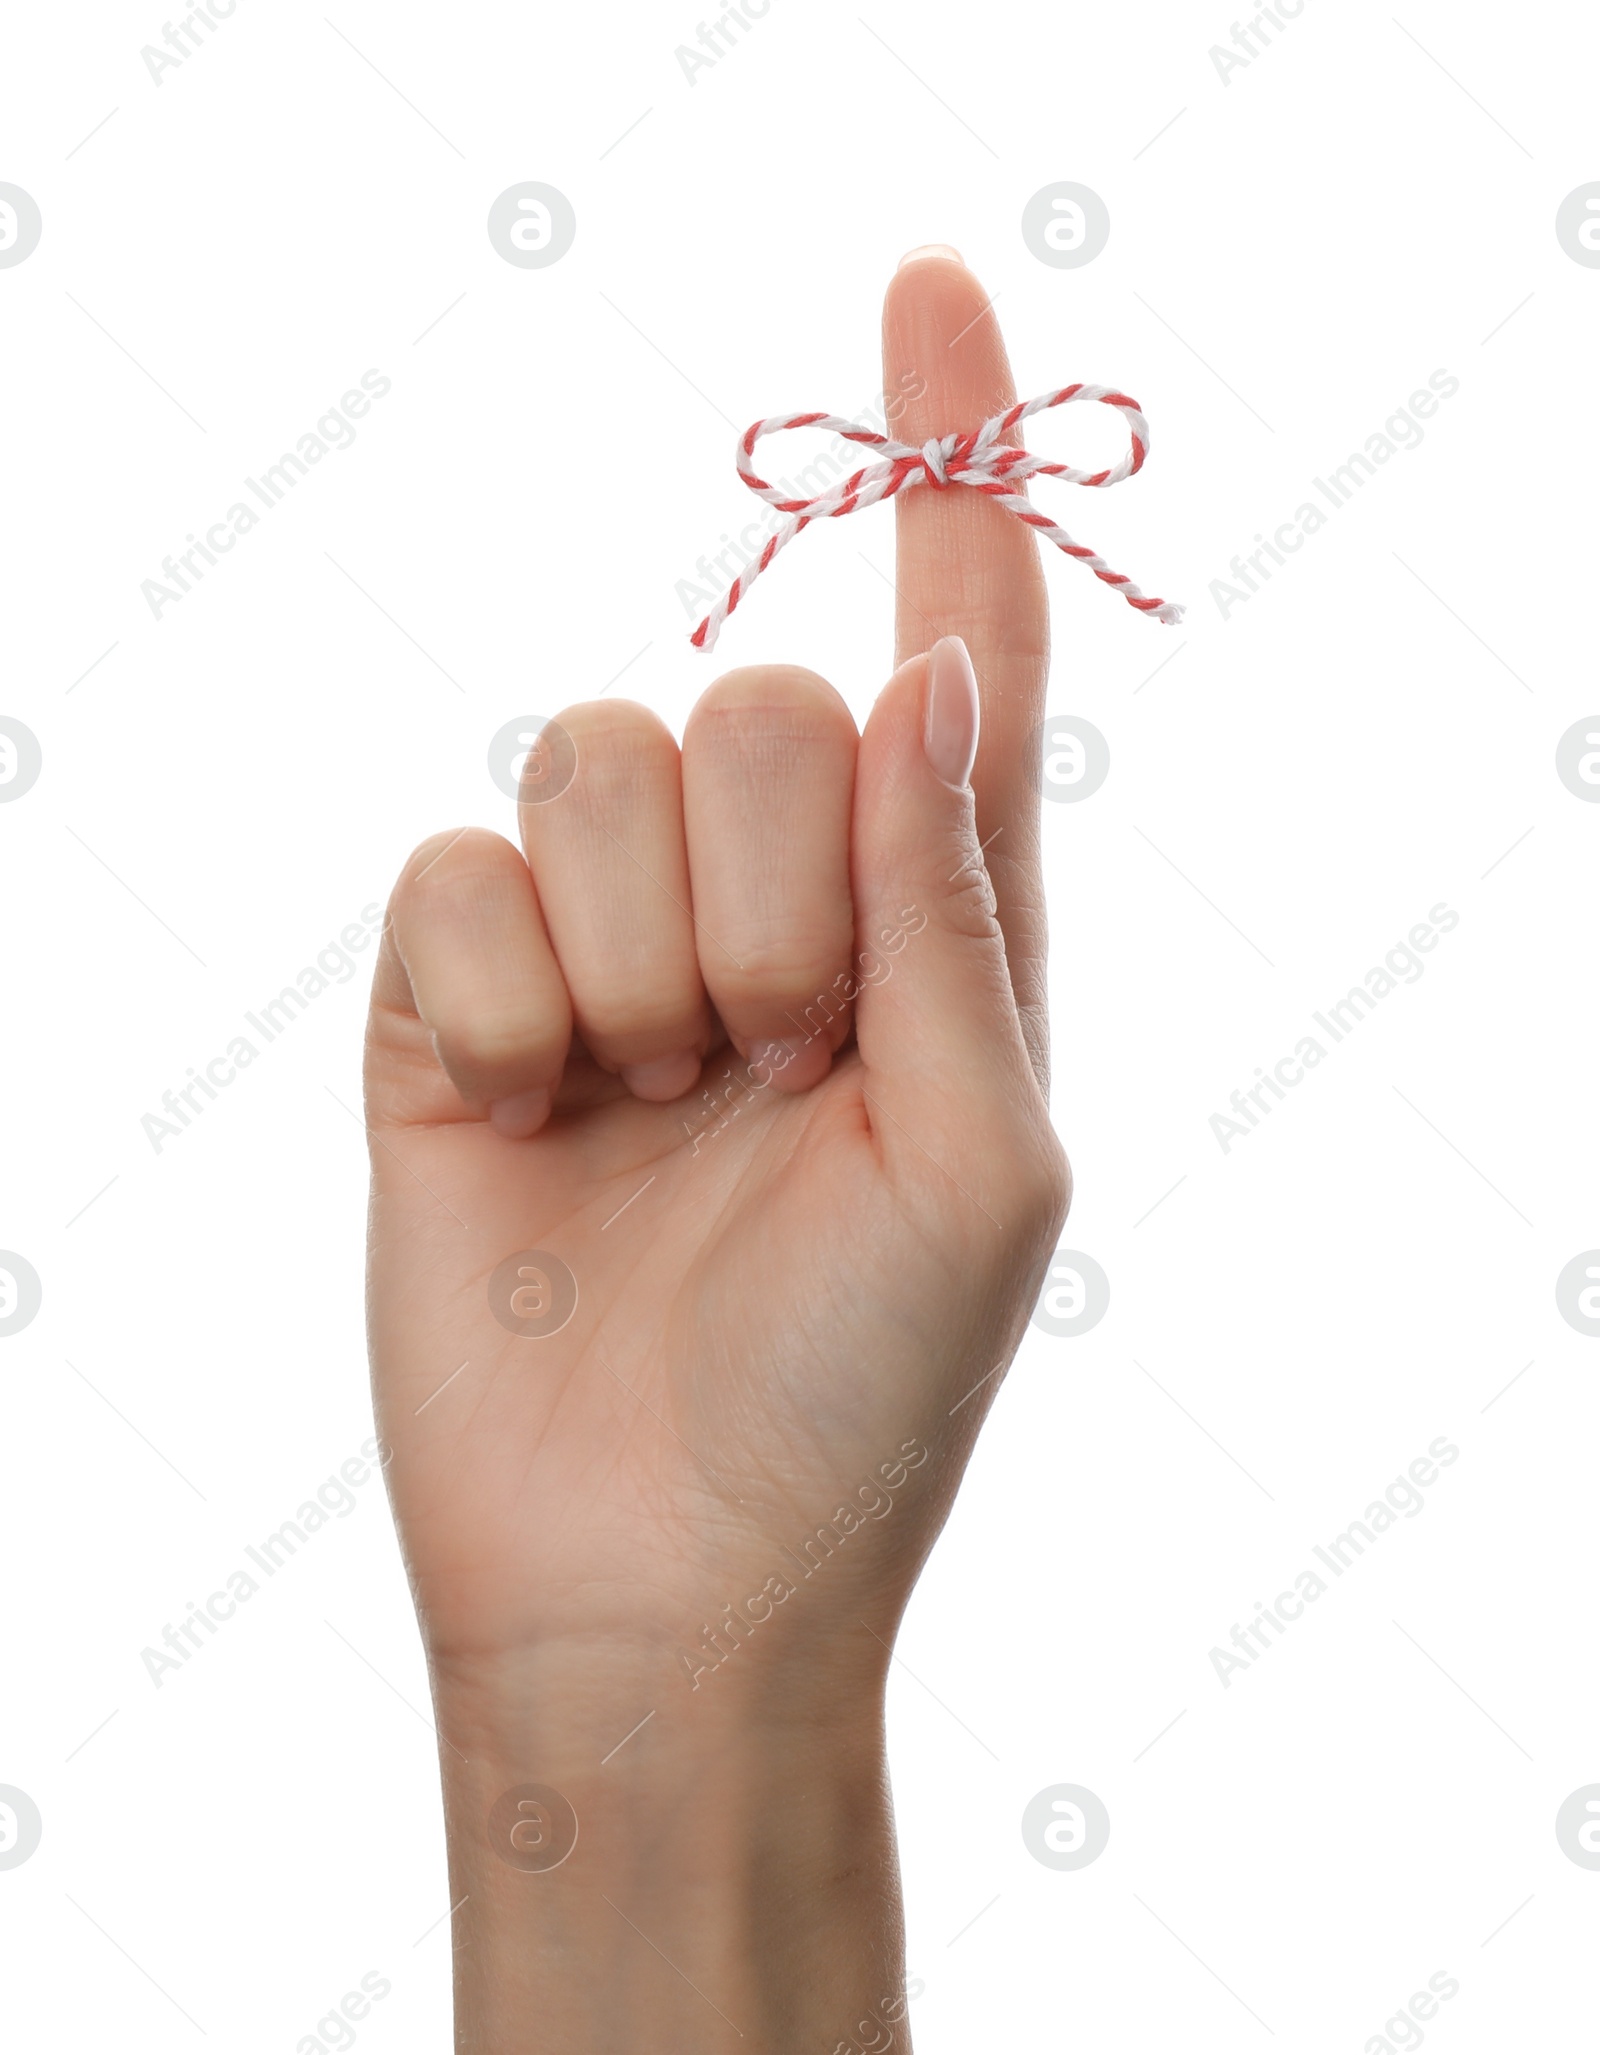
(964, 567)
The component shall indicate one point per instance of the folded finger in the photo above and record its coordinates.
(612, 877)
(469, 955)
(768, 771)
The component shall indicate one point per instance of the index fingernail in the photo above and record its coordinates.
(929, 250)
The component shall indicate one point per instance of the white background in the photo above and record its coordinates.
(225, 788)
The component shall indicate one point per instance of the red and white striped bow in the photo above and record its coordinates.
(982, 459)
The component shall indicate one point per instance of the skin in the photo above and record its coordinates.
(781, 1332)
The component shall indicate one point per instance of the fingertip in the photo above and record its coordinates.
(521, 1115)
(941, 251)
(663, 1078)
(934, 291)
(944, 359)
(791, 1065)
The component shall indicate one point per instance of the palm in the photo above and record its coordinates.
(705, 1401)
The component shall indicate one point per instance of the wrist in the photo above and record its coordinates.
(641, 1861)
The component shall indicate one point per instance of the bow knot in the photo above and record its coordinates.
(934, 453)
(983, 459)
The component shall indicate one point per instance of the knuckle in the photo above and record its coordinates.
(620, 716)
(439, 867)
(779, 968)
(1004, 618)
(1053, 1185)
(491, 1045)
(964, 890)
(1043, 1193)
(756, 721)
(970, 907)
(629, 1013)
(786, 687)
(622, 747)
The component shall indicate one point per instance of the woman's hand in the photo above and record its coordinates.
(743, 1047)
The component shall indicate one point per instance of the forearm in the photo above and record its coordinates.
(733, 1883)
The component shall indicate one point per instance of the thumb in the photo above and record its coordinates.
(936, 1018)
